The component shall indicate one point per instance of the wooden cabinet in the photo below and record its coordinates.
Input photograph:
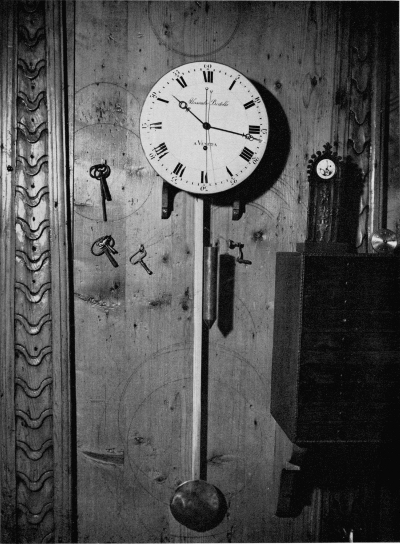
(336, 356)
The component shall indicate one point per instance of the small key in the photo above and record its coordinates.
(109, 249)
(106, 245)
(138, 258)
(101, 172)
(240, 246)
(240, 260)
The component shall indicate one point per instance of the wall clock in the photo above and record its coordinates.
(204, 127)
(325, 168)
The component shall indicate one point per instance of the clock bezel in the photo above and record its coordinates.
(227, 180)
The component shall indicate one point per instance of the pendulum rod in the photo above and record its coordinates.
(197, 334)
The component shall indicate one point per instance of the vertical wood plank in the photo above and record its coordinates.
(134, 332)
(380, 77)
(59, 217)
(7, 275)
(393, 156)
(360, 112)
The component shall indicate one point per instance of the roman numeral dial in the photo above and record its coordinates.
(203, 127)
(246, 154)
(208, 77)
(179, 169)
(254, 129)
(181, 82)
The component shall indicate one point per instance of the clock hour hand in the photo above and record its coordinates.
(247, 136)
(184, 106)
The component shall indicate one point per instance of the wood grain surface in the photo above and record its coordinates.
(327, 71)
(134, 332)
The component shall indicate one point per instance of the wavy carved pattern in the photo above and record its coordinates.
(32, 169)
(31, 105)
(35, 485)
(32, 200)
(33, 360)
(34, 454)
(31, 72)
(33, 296)
(32, 136)
(33, 234)
(34, 423)
(33, 265)
(365, 121)
(33, 328)
(31, 41)
(360, 108)
(35, 517)
(31, 6)
(33, 393)
(36, 466)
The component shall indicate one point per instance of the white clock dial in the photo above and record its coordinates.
(326, 169)
(204, 127)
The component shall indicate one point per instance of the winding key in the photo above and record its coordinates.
(101, 173)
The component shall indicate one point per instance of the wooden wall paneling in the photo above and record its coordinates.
(134, 361)
(69, 43)
(32, 318)
(297, 74)
(127, 358)
(360, 116)
(380, 81)
(59, 220)
(133, 331)
(36, 320)
(393, 155)
(360, 128)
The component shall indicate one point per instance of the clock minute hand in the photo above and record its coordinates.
(247, 136)
(184, 106)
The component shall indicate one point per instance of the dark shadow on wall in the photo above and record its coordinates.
(273, 162)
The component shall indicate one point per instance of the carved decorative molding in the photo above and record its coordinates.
(35, 349)
(359, 120)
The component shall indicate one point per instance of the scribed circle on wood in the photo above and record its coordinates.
(106, 102)
(157, 456)
(131, 179)
(194, 29)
